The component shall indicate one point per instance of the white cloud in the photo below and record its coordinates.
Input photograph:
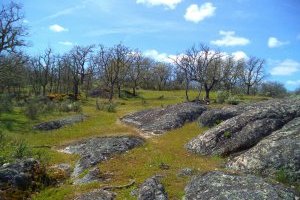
(66, 43)
(293, 83)
(195, 13)
(229, 39)
(57, 28)
(274, 42)
(161, 57)
(238, 55)
(171, 4)
(285, 68)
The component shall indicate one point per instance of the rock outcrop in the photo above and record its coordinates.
(246, 129)
(221, 185)
(93, 151)
(278, 151)
(97, 195)
(19, 179)
(56, 124)
(152, 189)
(159, 120)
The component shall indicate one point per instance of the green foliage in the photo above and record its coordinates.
(233, 100)
(106, 106)
(21, 150)
(70, 106)
(6, 104)
(221, 97)
(31, 110)
(227, 134)
(283, 175)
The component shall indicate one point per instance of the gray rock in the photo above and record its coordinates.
(21, 177)
(159, 120)
(278, 151)
(92, 176)
(97, 195)
(152, 189)
(93, 151)
(56, 124)
(220, 185)
(187, 172)
(247, 129)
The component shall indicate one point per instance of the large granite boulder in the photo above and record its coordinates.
(93, 151)
(220, 185)
(152, 189)
(246, 129)
(278, 151)
(97, 194)
(19, 179)
(56, 124)
(159, 120)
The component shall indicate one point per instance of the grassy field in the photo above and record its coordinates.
(138, 164)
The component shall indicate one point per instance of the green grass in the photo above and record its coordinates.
(138, 164)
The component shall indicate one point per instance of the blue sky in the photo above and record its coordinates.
(268, 29)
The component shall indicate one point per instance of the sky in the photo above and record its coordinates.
(268, 29)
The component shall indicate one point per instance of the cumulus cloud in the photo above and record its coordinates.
(66, 43)
(57, 28)
(274, 42)
(293, 83)
(238, 55)
(161, 57)
(195, 13)
(171, 4)
(286, 68)
(229, 39)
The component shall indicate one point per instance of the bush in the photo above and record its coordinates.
(221, 97)
(21, 150)
(69, 106)
(233, 100)
(109, 107)
(31, 109)
(273, 89)
(6, 103)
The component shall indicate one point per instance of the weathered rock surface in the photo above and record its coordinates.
(152, 189)
(97, 195)
(56, 124)
(215, 116)
(18, 179)
(92, 176)
(160, 120)
(247, 129)
(278, 151)
(187, 172)
(93, 151)
(221, 185)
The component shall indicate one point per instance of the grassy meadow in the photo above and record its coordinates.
(137, 164)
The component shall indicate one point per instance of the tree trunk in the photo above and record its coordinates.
(248, 89)
(76, 91)
(187, 91)
(133, 91)
(111, 93)
(44, 90)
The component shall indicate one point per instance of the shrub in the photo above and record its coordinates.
(31, 110)
(109, 107)
(21, 150)
(227, 134)
(6, 104)
(221, 97)
(69, 106)
(233, 100)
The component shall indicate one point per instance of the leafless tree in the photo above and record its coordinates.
(80, 57)
(12, 28)
(253, 72)
(161, 74)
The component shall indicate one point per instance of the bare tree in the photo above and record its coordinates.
(253, 72)
(12, 29)
(137, 68)
(161, 74)
(80, 57)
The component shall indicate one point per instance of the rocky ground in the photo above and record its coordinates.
(56, 124)
(246, 129)
(95, 150)
(160, 120)
(261, 139)
(221, 185)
